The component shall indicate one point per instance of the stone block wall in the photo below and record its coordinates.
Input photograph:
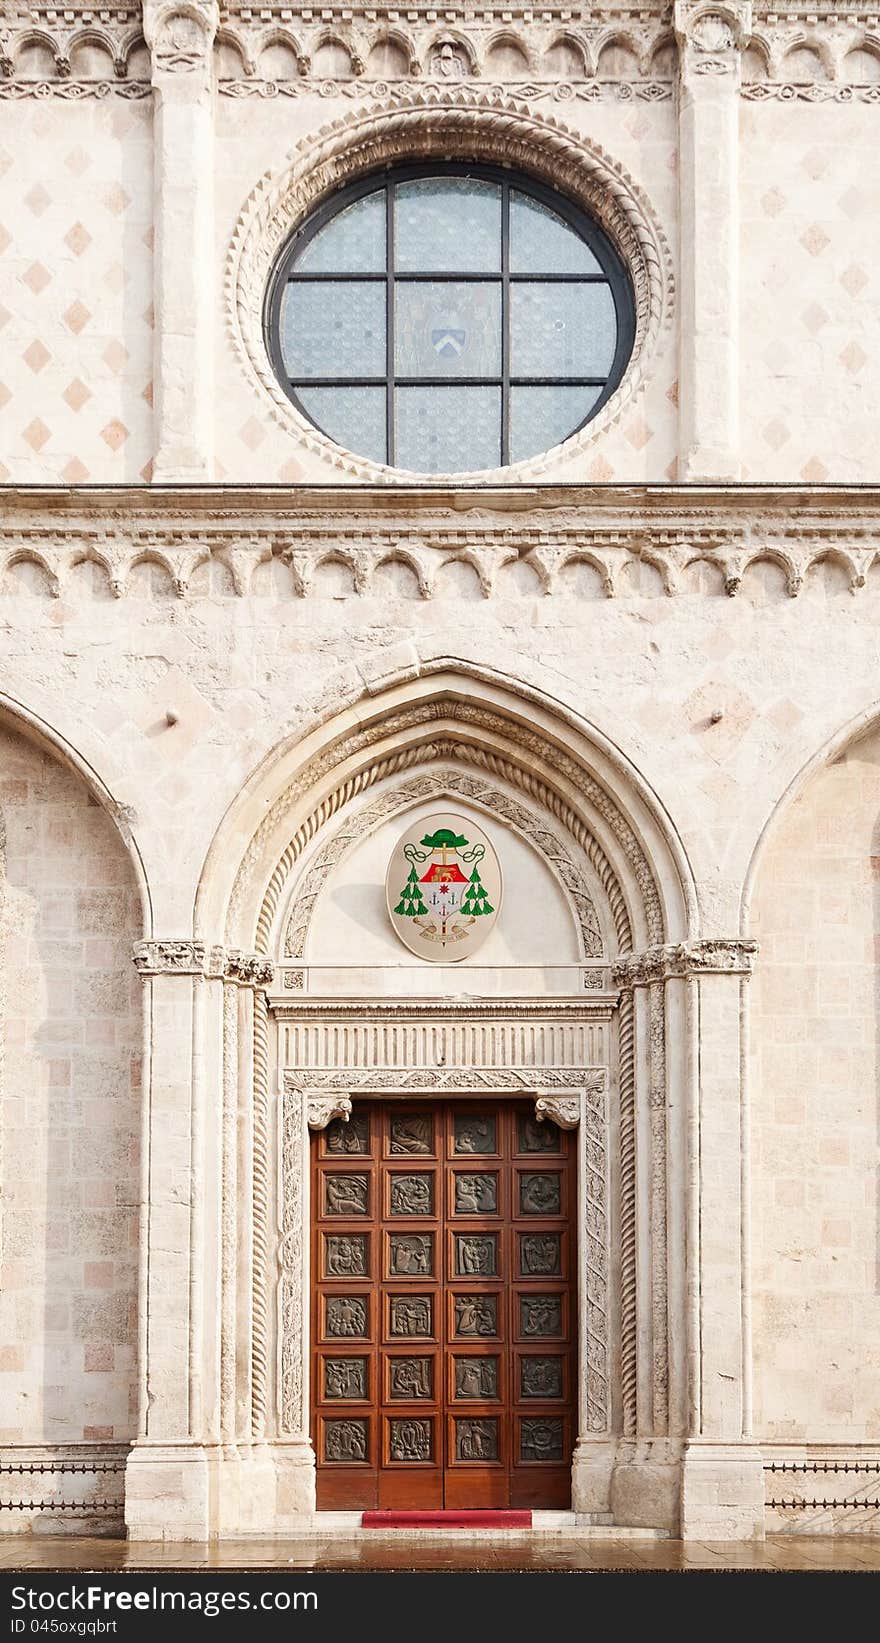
(70, 1027)
(815, 1009)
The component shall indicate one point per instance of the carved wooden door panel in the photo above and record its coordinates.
(443, 1307)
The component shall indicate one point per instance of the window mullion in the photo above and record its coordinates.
(505, 324)
(390, 418)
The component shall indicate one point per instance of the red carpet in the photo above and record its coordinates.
(447, 1520)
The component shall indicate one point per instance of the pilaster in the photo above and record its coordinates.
(181, 38)
(703, 1473)
(710, 38)
(181, 1482)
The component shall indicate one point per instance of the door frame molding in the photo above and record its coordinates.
(573, 1097)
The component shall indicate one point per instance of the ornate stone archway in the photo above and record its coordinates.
(649, 1414)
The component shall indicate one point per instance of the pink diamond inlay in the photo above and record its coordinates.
(36, 277)
(37, 199)
(853, 357)
(116, 199)
(252, 434)
(115, 434)
(76, 316)
(37, 355)
(854, 279)
(814, 317)
(78, 239)
(78, 161)
(115, 355)
(76, 393)
(815, 240)
(36, 433)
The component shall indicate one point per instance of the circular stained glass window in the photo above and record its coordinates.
(449, 319)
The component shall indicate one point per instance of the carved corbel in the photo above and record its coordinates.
(711, 33)
(563, 1110)
(322, 1109)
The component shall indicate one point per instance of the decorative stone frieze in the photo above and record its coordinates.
(562, 54)
(197, 958)
(734, 534)
(712, 957)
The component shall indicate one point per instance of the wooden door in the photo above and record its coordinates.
(443, 1321)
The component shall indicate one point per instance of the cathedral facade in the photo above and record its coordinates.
(439, 765)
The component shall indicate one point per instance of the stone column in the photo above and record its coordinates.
(722, 1494)
(691, 1463)
(181, 43)
(182, 1481)
(710, 38)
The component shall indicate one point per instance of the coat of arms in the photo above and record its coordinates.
(443, 888)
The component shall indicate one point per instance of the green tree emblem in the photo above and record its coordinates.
(411, 904)
(476, 898)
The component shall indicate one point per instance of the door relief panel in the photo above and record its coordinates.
(443, 1307)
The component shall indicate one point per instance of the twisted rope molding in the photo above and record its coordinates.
(461, 121)
(628, 1333)
(594, 1153)
(228, 1203)
(260, 1234)
(429, 786)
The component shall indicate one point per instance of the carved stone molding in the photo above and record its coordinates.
(510, 768)
(436, 1080)
(425, 49)
(180, 35)
(453, 121)
(727, 537)
(711, 28)
(293, 1345)
(711, 957)
(564, 1110)
(433, 784)
(196, 958)
(321, 1109)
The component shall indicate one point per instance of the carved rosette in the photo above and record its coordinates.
(198, 958)
(322, 1109)
(733, 957)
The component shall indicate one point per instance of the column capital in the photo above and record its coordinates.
(199, 958)
(563, 1110)
(711, 33)
(715, 956)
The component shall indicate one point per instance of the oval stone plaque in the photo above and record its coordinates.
(443, 888)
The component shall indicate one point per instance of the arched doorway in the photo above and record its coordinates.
(333, 1033)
